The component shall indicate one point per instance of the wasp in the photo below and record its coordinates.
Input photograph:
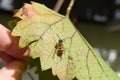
(59, 48)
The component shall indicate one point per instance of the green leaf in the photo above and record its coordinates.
(59, 45)
(12, 23)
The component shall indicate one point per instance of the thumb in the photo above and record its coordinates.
(13, 71)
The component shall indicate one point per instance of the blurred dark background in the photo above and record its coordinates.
(97, 20)
(100, 11)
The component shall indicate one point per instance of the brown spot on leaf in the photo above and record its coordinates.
(70, 58)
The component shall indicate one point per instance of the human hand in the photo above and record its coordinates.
(13, 56)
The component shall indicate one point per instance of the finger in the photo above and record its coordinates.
(6, 58)
(5, 39)
(13, 71)
(10, 45)
(17, 52)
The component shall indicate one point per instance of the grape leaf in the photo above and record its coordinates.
(59, 45)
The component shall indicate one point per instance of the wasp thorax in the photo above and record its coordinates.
(59, 48)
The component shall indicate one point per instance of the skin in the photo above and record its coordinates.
(13, 56)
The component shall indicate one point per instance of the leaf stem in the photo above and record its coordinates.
(58, 5)
(69, 8)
